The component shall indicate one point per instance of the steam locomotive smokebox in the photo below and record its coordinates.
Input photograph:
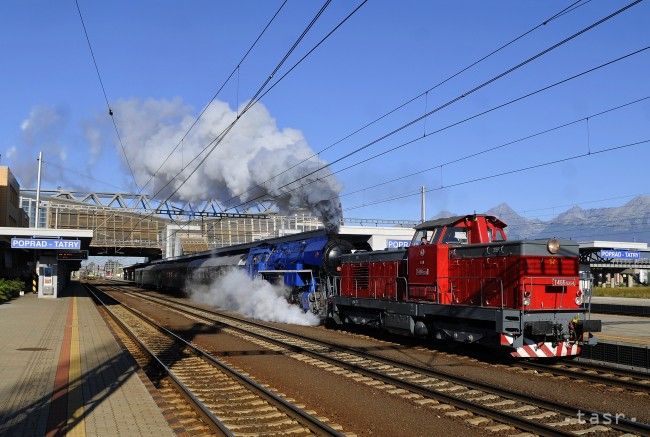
(333, 252)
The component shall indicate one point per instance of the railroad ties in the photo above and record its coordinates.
(493, 408)
(620, 379)
(227, 398)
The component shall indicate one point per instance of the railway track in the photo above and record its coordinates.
(604, 375)
(483, 404)
(599, 374)
(231, 402)
(586, 371)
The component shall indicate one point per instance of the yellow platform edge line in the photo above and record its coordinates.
(76, 423)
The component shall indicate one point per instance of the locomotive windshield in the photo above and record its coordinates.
(455, 235)
(424, 236)
(450, 235)
(419, 236)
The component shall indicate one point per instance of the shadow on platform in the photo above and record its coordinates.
(59, 420)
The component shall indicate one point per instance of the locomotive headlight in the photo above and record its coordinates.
(526, 300)
(579, 298)
(553, 246)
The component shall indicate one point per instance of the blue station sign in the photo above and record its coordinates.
(398, 244)
(619, 254)
(45, 244)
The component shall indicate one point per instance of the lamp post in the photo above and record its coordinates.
(37, 214)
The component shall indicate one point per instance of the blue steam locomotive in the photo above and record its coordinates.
(306, 263)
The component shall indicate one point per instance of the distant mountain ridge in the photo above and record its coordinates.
(629, 222)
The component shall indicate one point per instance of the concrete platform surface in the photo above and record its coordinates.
(633, 301)
(63, 372)
(624, 329)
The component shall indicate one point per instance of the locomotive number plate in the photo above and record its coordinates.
(422, 272)
(563, 282)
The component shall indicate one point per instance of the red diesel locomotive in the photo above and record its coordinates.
(461, 280)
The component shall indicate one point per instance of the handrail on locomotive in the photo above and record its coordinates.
(466, 283)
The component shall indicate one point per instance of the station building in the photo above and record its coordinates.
(616, 263)
(41, 257)
(11, 215)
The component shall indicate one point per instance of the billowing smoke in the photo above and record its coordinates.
(256, 298)
(254, 151)
(41, 130)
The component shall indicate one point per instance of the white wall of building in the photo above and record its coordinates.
(379, 237)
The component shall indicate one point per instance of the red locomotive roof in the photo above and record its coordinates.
(447, 221)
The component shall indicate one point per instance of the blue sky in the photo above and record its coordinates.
(158, 51)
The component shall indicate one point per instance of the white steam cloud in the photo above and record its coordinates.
(11, 152)
(42, 130)
(254, 151)
(255, 298)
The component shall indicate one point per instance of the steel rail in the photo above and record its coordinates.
(213, 421)
(580, 372)
(301, 416)
(623, 424)
(500, 416)
(610, 368)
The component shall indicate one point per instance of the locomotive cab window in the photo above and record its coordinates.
(423, 236)
(499, 235)
(419, 237)
(455, 235)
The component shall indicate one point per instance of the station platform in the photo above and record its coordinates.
(626, 301)
(624, 329)
(63, 372)
(626, 306)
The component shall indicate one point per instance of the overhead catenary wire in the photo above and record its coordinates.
(215, 95)
(314, 47)
(219, 89)
(537, 219)
(503, 173)
(561, 228)
(613, 221)
(474, 89)
(617, 221)
(85, 175)
(574, 229)
(464, 120)
(627, 196)
(259, 97)
(628, 215)
(254, 100)
(573, 6)
(217, 140)
(600, 232)
(108, 105)
(500, 146)
(455, 99)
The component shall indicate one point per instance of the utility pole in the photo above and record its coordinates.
(423, 206)
(38, 190)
